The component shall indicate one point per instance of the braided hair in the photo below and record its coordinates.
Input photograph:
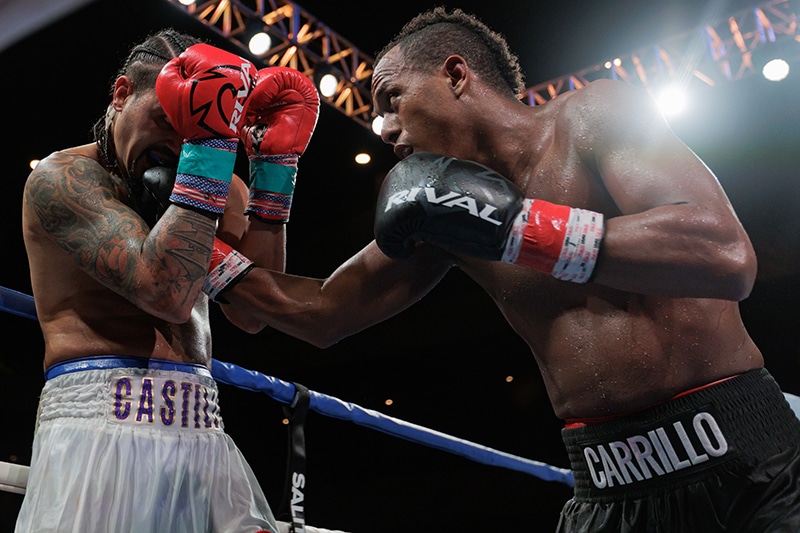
(142, 66)
(430, 37)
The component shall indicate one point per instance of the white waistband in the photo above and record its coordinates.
(139, 397)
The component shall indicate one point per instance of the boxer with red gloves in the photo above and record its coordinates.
(117, 273)
(204, 93)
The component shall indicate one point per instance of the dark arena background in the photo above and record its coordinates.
(445, 363)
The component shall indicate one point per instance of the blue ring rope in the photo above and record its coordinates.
(21, 304)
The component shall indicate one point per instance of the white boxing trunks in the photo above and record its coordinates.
(127, 444)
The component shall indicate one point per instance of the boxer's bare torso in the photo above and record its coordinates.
(80, 316)
(661, 313)
(603, 350)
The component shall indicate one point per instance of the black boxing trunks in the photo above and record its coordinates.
(721, 458)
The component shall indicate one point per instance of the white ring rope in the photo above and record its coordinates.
(13, 477)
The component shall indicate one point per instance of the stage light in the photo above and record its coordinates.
(256, 38)
(377, 125)
(775, 69)
(671, 100)
(259, 43)
(326, 80)
(328, 84)
(772, 58)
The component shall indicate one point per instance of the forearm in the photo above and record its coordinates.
(265, 244)
(173, 263)
(677, 251)
(278, 126)
(367, 289)
(293, 305)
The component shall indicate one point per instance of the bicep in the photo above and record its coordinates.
(672, 230)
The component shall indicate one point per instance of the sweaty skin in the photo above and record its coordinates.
(661, 313)
(104, 282)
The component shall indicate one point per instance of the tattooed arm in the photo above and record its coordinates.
(89, 214)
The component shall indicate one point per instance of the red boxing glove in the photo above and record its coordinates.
(204, 93)
(227, 267)
(280, 120)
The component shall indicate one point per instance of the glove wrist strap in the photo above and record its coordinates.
(559, 240)
(203, 180)
(227, 268)
(271, 190)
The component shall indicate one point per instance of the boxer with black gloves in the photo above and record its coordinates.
(470, 209)
(607, 245)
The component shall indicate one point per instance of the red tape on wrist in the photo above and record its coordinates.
(559, 240)
(226, 268)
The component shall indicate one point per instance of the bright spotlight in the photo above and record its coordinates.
(259, 43)
(328, 84)
(326, 78)
(672, 101)
(363, 158)
(377, 125)
(775, 70)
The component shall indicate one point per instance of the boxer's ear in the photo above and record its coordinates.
(458, 72)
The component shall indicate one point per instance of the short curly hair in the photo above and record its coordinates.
(432, 36)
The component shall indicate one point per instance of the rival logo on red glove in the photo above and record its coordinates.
(211, 106)
(212, 85)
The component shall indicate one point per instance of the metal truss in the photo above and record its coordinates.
(301, 42)
(714, 53)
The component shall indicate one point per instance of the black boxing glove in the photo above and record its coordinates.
(455, 203)
(157, 185)
(472, 210)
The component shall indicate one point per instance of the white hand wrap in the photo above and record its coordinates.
(227, 267)
(559, 240)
